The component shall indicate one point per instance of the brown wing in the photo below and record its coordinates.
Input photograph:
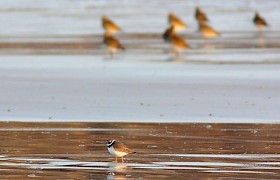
(118, 146)
(113, 42)
(109, 24)
(200, 16)
(203, 26)
(173, 20)
(179, 42)
(112, 25)
(259, 20)
(210, 29)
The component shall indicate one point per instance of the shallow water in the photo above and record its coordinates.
(78, 150)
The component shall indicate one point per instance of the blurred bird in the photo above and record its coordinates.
(109, 25)
(178, 42)
(118, 149)
(207, 31)
(112, 43)
(200, 15)
(259, 21)
(176, 22)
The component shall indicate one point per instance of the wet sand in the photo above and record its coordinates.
(184, 151)
(82, 88)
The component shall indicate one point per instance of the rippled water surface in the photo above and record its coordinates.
(191, 151)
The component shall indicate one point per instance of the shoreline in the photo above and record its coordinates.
(235, 121)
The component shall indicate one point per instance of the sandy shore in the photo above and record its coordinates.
(81, 88)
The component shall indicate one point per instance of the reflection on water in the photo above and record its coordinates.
(261, 40)
(78, 150)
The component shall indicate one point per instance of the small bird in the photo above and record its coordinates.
(259, 21)
(177, 41)
(200, 15)
(112, 43)
(207, 30)
(109, 25)
(118, 149)
(176, 22)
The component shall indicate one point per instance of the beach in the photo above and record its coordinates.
(210, 112)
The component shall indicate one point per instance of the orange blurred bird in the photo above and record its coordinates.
(207, 31)
(178, 42)
(259, 21)
(176, 22)
(112, 43)
(200, 15)
(109, 25)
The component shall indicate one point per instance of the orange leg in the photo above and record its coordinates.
(122, 160)
(116, 159)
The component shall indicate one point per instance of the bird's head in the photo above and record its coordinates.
(110, 142)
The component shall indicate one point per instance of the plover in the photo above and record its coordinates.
(118, 149)
(200, 15)
(176, 22)
(109, 25)
(259, 21)
(207, 31)
(112, 43)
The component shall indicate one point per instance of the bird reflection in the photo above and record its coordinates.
(116, 171)
(260, 41)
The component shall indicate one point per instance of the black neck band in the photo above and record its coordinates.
(111, 144)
